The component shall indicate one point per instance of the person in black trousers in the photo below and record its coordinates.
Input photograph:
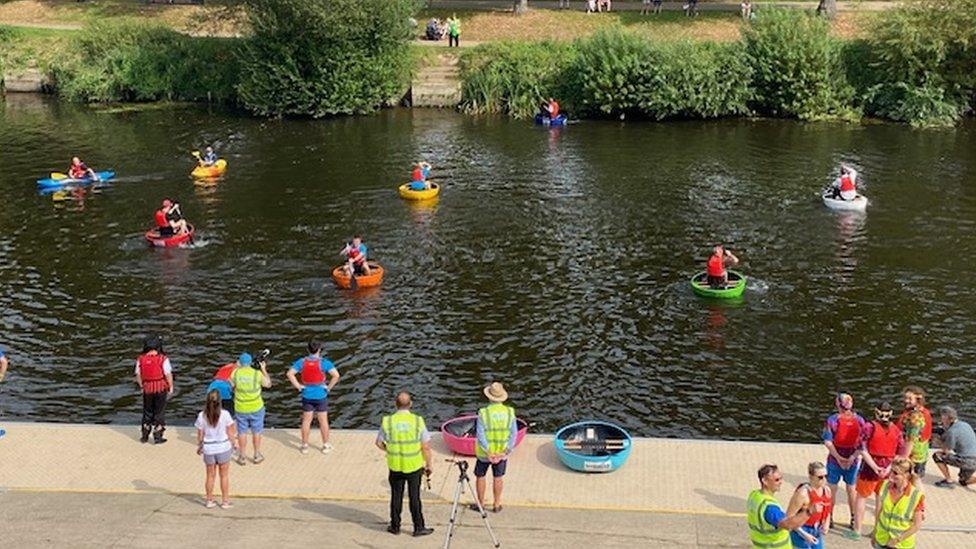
(404, 437)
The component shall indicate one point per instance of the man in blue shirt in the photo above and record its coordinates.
(496, 431)
(209, 157)
(315, 391)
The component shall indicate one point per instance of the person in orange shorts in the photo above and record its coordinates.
(882, 440)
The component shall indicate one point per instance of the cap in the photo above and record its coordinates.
(244, 359)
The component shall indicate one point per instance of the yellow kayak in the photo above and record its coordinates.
(216, 170)
(409, 194)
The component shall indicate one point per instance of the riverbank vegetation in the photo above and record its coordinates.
(917, 66)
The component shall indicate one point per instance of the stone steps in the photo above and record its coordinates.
(437, 85)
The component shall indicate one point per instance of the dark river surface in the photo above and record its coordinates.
(556, 262)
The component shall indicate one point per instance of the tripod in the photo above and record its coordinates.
(464, 480)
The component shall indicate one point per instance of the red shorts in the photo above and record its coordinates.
(867, 487)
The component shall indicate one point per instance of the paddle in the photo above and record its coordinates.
(58, 175)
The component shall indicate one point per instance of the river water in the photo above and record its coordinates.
(554, 261)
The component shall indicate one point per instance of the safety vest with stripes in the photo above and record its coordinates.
(247, 390)
(763, 534)
(896, 517)
(497, 421)
(402, 435)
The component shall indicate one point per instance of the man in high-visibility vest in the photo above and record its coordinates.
(247, 382)
(769, 527)
(404, 437)
(496, 431)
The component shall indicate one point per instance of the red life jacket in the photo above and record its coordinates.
(152, 373)
(553, 109)
(312, 373)
(824, 499)
(223, 374)
(846, 183)
(884, 442)
(418, 175)
(848, 431)
(78, 172)
(716, 265)
(161, 221)
(355, 255)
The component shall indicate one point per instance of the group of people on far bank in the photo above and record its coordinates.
(234, 408)
(884, 458)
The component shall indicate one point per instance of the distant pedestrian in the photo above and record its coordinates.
(958, 449)
(842, 436)
(691, 8)
(645, 7)
(657, 7)
(591, 6)
(769, 526)
(496, 431)
(745, 8)
(453, 31)
(563, 4)
(902, 508)
(916, 425)
(249, 410)
(221, 384)
(604, 5)
(811, 534)
(154, 375)
(404, 437)
(882, 441)
(216, 440)
(315, 392)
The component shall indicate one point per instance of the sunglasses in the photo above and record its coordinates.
(819, 477)
(777, 479)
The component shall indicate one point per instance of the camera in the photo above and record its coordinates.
(263, 355)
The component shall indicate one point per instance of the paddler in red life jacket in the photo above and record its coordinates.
(845, 187)
(169, 219)
(882, 441)
(718, 277)
(842, 436)
(355, 253)
(553, 109)
(154, 374)
(418, 178)
(80, 170)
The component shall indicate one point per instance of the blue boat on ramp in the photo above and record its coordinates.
(593, 446)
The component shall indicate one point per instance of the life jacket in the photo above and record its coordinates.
(312, 373)
(884, 442)
(846, 183)
(824, 499)
(161, 221)
(848, 433)
(78, 172)
(762, 534)
(553, 109)
(152, 373)
(716, 265)
(225, 371)
(896, 517)
(418, 175)
(356, 255)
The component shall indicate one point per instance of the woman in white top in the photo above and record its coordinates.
(216, 440)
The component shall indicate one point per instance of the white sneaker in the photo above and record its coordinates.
(211, 504)
(303, 449)
(326, 448)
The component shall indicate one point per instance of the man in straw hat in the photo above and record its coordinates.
(496, 430)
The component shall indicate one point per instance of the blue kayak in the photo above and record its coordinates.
(60, 183)
(560, 120)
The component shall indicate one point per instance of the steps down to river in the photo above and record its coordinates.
(438, 84)
(29, 80)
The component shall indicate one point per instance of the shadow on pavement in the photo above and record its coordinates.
(732, 504)
(341, 513)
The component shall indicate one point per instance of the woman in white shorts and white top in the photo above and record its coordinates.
(216, 441)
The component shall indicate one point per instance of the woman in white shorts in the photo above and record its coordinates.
(216, 441)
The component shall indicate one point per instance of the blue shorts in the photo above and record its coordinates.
(318, 406)
(497, 469)
(417, 186)
(801, 543)
(835, 473)
(250, 423)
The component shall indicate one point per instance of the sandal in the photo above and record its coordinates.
(241, 460)
(474, 507)
(852, 535)
(945, 484)
(258, 458)
(226, 505)
(496, 509)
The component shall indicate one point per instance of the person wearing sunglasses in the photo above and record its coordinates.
(902, 508)
(811, 533)
(769, 526)
(883, 441)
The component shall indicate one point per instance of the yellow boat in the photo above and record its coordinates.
(426, 194)
(217, 170)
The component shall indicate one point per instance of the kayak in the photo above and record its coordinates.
(459, 433)
(560, 120)
(374, 278)
(217, 170)
(426, 194)
(859, 204)
(737, 285)
(593, 446)
(50, 183)
(153, 238)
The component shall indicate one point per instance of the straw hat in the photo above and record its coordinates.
(496, 392)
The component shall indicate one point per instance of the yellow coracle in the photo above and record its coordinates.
(216, 170)
(425, 194)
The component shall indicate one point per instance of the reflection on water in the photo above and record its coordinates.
(555, 261)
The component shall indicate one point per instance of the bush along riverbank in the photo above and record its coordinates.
(919, 67)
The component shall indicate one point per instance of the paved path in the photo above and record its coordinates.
(107, 488)
(635, 5)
